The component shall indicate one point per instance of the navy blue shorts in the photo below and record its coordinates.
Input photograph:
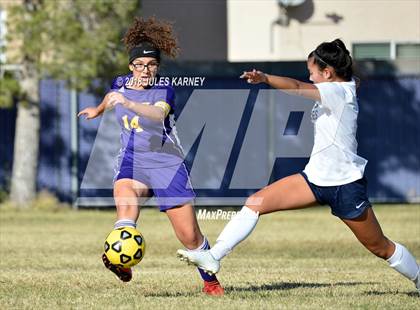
(170, 186)
(347, 201)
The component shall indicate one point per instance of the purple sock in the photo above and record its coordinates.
(205, 276)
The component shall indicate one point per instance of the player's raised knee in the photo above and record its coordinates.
(254, 202)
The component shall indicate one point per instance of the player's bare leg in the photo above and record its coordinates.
(286, 194)
(367, 230)
(292, 192)
(127, 193)
(185, 225)
(186, 228)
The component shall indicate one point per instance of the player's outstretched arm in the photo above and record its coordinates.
(93, 112)
(292, 86)
(152, 112)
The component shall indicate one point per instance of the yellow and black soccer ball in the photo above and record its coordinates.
(125, 247)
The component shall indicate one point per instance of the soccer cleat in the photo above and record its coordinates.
(213, 288)
(124, 274)
(202, 259)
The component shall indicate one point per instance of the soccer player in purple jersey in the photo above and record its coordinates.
(151, 160)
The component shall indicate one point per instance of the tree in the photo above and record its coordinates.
(73, 40)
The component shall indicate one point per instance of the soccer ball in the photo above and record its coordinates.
(125, 247)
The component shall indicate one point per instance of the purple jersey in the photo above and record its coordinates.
(151, 144)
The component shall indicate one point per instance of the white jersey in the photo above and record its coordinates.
(334, 160)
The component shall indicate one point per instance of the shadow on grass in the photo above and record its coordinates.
(289, 286)
(170, 294)
(409, 294)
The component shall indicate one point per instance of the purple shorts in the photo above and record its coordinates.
(171, 186)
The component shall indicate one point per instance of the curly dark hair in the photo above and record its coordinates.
(157, 32)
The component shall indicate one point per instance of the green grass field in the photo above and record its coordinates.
(303, 259)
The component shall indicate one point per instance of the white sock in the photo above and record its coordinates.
(404, 262)
(125, 223)
(238, 228)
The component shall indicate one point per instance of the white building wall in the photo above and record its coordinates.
(249, 26)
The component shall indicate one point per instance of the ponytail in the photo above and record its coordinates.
(336, 55)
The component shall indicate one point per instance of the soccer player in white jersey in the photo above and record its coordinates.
(334, 174)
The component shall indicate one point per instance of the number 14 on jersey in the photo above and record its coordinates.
(132, 124)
